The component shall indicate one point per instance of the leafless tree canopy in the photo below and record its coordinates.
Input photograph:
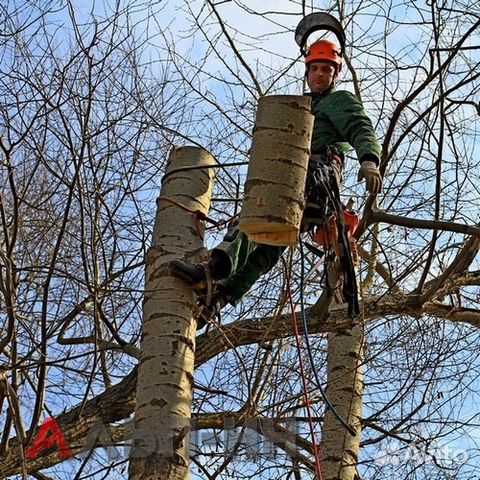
(93, 97)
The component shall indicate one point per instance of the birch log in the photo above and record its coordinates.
(275, 187)
(165, 374)
(339, 449)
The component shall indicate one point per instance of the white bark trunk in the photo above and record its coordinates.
(275, 188)
(165, 373)
(339, 449)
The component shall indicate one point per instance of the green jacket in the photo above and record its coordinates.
(341, 122)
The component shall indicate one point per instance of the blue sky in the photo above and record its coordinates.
(275, 53)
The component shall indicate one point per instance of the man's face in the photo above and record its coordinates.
(320, 76)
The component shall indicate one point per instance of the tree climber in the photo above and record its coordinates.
(340, 122)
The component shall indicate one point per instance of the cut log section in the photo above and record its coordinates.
(275, 188)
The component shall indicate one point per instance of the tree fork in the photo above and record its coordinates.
(165, 373)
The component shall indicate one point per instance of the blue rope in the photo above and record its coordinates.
(328, 403)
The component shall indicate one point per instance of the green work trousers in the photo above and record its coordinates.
(248, 261)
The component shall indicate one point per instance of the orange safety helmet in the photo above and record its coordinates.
(324, 50)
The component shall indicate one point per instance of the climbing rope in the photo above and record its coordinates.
(197, 214)
(203, 167)
(309, 349)
(316, 452)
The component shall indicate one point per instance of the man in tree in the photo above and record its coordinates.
(340, 122)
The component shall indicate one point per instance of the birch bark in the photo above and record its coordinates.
(165, 373)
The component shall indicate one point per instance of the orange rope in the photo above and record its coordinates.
(318, 468)
(197, 214)
(200, 215)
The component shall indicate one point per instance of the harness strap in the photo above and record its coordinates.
(324, 191)
(209, 282)
(350, 289)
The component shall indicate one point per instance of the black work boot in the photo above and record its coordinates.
(218, 269)
(191, 273)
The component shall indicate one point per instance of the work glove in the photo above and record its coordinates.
(373, 179)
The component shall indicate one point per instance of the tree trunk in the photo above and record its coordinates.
(165, 373)
(339, 449)
(275, 188)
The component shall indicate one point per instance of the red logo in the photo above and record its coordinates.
(49, 435)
